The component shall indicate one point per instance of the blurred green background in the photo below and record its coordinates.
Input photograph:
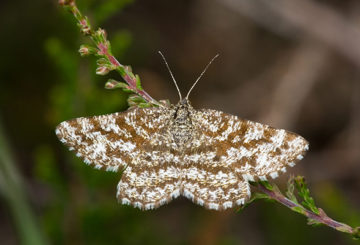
(290, 64)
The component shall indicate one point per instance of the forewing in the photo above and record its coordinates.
(253, 150)
(112, 141)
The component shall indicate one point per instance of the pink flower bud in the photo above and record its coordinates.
(84, 50)
(85, 27)
(101, 33)
(102, 70)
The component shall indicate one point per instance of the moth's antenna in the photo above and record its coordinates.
(202, 73)
(172, 76)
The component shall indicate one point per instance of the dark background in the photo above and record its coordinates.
(290, 64)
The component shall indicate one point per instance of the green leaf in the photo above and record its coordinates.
(257, 196)
(304, 193)
(128, 72)
(122, 71)
(136, 100)
(138, 83)
(113, 84)
(313, 222)
(254, 197)
(267, 185)
(102, 62)
(145, 105)
(299, 210)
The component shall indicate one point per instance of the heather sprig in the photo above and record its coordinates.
(106, 62)
(297, 198)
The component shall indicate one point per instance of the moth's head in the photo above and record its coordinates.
(184, 102)
(182, 109)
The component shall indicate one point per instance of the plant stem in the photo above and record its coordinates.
(321, 218)
(129, 78)
(103, 46)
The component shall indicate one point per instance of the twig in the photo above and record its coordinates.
(107, 62)
(308, 209)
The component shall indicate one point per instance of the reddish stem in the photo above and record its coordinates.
(322, 218)
(104, 50)
(130, 80)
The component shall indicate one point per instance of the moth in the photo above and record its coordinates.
(163, 152)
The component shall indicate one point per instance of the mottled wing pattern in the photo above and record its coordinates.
(131, 140)
(229, 152)
(149, 188)
(107, 142)
(253, 150)
(213, 186)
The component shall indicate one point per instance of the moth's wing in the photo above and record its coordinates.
(134, 140)
(112, 141)
(152, 178)
(151, 183)
(208, 184)
(253, 150)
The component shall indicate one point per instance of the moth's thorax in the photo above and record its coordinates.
(181, 125)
